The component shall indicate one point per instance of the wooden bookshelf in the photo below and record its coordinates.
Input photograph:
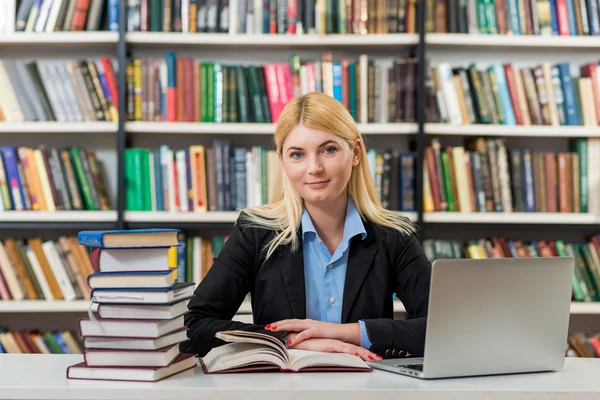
(59, 127)
(195, 217)
(59, 38)
(265, 40)
(510, 218)
(58, 216)
(252, 128)
(476, 41)
(515, 130)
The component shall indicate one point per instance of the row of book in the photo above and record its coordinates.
(485, 176)
(544, 94)
(513, 17)
(45, 16)
(35, 342)
(583, 345)
(37, 269)
(226, 178)
(185, 90)
(140, 306)
(293, 17)
(58, 90)
(51, 179)
(586, 279)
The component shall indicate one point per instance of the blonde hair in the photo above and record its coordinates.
(321, 112)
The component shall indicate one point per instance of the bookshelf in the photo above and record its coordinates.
(435, 47)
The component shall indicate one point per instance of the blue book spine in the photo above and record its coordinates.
(553, 17)
(240, 177)
(63, 346)
(113, 15)
(515, 25)
(570, 102)
(352, 89)
(594, 17)
(407, 182)
(559, 95)
(505, 103)
(13, 180)
(232, 182)
(181, 259)
(158, 182)
(337, 81)
(171, 69)
(571, 16)
(528, 182)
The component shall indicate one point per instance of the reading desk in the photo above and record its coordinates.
(31, 376)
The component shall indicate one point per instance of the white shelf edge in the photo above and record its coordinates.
(509, 218)
(58, 306)
(518, 130)
(512, 41)
(266, 40)
(191, 217)
(28, 38)
(58, 216)
(251, 128)
(59, 127)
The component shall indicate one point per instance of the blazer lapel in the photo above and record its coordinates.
(360, 259)
(292, 269)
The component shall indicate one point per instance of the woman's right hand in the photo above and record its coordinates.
(334, 346)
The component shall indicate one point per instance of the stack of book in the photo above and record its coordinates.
(135, 334)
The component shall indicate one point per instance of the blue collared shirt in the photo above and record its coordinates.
(325, 274)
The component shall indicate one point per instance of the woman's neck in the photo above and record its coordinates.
(328, 221)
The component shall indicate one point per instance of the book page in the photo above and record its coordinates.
(307, 359)
(239, 355)
(254, 337)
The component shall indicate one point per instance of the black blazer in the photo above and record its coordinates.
(385, 262)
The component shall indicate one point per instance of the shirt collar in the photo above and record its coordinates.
(353, 224)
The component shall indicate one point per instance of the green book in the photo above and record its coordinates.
(81, 178)
(581, 145)
(242, 95)
(447, 181)
(578, 289)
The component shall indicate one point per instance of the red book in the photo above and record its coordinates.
(80, 14)
(563, 17)
(273, 91)
(111, 81)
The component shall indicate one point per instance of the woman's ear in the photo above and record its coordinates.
(357, 152)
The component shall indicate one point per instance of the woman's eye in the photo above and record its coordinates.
(295, 155)
(330, 150)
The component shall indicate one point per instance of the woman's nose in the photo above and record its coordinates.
(315, 166)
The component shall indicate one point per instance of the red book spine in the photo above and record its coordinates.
(80, 14)
(589, 71)
(563, 17)
(111, 80)
(292, 16)
(273, 91)
(512, 90)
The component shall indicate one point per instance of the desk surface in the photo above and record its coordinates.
(31, 376)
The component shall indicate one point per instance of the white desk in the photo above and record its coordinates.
(43, 377)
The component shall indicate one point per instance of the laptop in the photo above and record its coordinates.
(493, 316)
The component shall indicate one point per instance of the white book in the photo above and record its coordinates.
(151, 162)
(130, 358)
(180, 291)
(121, 260)
(197, 260)
(8, 99)
(59, 270)
(363, 65)
(39, 274)
(450, 95)
(168, 339)
(143, 311)
(42, 19)
(129, 328)
(53, 16)
(182, 180)
(172, 185)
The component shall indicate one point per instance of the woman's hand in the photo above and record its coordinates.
(311, 329)
(332, 346)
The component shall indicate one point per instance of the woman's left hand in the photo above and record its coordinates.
(310, 329)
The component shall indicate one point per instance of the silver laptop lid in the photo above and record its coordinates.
(498, 316)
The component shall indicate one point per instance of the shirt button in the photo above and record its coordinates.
(330, 266)
(332, 300)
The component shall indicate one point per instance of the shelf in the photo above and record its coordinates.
(479, 41)
(219, 217)
(58, 127)
(508, 131)
(251, 128)
(59, 38)
(509, 218)
(58, 216)
(266, 40)
(81, 306)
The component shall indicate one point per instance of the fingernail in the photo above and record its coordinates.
(273, 328)
(289, 343)
(268, 326)
(371, 358)
(379, 358)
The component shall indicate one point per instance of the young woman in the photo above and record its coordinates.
(323, 262)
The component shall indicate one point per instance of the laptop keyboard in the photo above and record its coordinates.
(418, 367)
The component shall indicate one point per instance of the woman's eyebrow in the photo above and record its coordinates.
(321, 145)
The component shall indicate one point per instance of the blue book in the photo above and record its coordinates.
(352, 89)
(158, 181)
(337, 81)
(554, 17)
(63, 346)
(132, 280)
(570, 102)
(505, 103)
(571, 17)
(129, 238)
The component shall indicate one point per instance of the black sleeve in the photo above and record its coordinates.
(390, 338)
(221, 292)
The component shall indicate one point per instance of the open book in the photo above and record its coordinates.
(252, 351)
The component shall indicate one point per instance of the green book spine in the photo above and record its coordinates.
(352, 88)
(490, 16)
(476, 85)
(225, 113)
(583, 270)
(217, 244)
(264, 182)
(155, 15)
(447, 181)
(341, 14)
(146, 184)
(592, 268)
(481, 19)
(255, 98)
(496, 95)
(83, 183)
(578, 289)
(138, 180)
(582, 151)
(233, 96)
(204, 92)
(129, 181)
(210, 93)
(189, 250)
(242, 94)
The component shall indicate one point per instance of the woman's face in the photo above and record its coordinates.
(318, 164)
